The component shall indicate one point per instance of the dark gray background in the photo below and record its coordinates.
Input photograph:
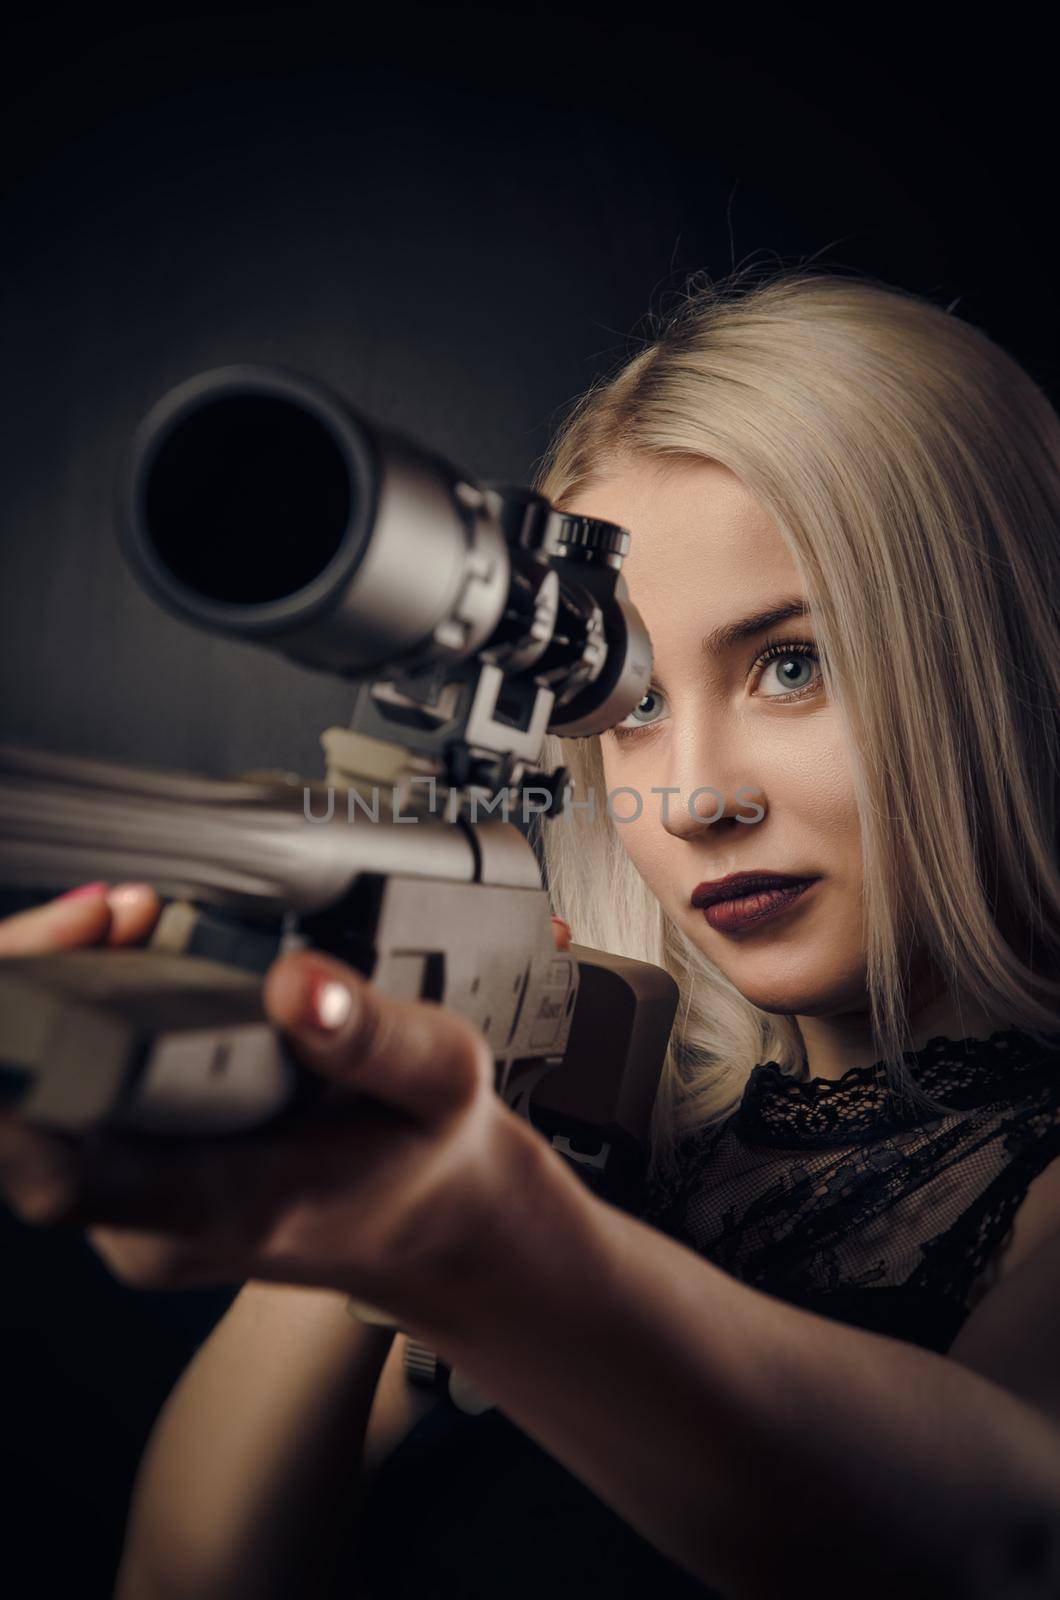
(456, 215)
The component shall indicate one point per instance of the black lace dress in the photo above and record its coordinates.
(828, 1194)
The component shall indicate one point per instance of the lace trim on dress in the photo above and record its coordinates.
(778, 1108)
(832, 1194)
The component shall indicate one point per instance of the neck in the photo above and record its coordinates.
(835, 1044)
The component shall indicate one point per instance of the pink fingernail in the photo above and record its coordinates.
(332, 1003)
(127, 894)
(85, 889)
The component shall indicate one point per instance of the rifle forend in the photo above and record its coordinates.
(173, 1038)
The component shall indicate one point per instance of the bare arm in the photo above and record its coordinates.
(754, 1442)
(253, 1465)
(255, 1458)
(751, 1440)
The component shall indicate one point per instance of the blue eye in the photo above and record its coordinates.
(642, 714)
(793, 663)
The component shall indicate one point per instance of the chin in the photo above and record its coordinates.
(811, 999)
(790, 982)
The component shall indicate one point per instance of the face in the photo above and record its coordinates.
(747, 717)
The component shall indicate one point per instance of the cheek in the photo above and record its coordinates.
(644, 842)
(817, 793)
(641, 837)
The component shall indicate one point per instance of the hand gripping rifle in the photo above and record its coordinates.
(472, 619)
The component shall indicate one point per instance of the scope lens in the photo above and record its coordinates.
(248, 499)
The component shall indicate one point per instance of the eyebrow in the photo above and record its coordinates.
(732, 633)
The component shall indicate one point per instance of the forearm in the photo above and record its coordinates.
(753, 1442)
(253, 1449)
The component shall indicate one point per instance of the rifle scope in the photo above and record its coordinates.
(257, 504)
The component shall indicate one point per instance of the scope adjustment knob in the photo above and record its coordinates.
(589, 540)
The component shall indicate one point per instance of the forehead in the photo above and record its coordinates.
(698, 535)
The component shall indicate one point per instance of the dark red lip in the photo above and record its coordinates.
(741, 883)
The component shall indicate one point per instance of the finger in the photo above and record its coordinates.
(561, 930)
(414, 1055)
(38, 1171)
(78, 918)
(112, 1178)
(134, 910)
(211, 1197)
(147, 1260)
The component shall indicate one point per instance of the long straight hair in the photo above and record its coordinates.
(913, 469)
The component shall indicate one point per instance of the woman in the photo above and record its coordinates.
(826, 1353)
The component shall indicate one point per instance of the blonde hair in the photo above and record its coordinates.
(913, 469)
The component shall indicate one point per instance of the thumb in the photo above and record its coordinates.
(415, 1055)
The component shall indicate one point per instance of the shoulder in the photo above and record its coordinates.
(1010, 1335)
(1039, 1214)
(1037, 1218)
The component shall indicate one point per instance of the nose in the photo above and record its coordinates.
(690, 813)
(716, 789)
